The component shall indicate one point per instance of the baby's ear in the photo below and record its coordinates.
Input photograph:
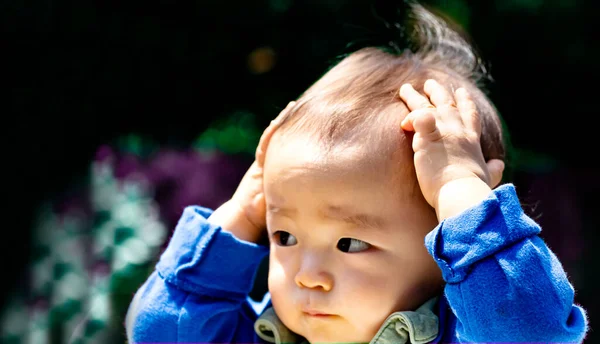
(495, 169)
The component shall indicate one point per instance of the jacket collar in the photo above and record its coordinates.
(417, 327)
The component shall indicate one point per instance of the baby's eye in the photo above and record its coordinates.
(284, 238)
(350, 245)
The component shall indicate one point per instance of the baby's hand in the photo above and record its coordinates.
(244, 214)
(452, 172)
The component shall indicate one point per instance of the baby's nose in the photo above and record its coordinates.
(314, 276)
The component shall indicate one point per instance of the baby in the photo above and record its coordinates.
(376, 189)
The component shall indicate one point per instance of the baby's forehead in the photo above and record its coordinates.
(348, 185)
(306, 151)
(303, 157)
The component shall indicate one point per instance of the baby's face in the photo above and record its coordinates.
(346, 241)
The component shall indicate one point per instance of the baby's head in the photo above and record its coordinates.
(345, 214)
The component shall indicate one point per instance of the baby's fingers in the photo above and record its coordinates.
(282, 114)
(413, 99)
(420, 121)
(438, 94)
(468, 110)
(495, 169)
(263, 143)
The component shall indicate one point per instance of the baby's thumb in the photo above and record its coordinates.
(263, 142)
(495, 169)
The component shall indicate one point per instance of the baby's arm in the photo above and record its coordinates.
(199, 290)
(503, 283)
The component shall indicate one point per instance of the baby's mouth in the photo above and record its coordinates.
(316, 313)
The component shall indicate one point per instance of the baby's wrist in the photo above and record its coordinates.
(231, 218)
(459, 195)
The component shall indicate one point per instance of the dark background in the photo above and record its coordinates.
(79, 74)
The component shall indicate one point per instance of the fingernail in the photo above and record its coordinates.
(405, 86)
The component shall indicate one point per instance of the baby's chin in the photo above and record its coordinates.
(333, 329)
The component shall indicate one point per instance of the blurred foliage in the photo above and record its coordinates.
(236, 133)
(88, 259)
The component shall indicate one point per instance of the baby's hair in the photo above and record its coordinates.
(346, 105)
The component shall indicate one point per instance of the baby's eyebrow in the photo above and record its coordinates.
(348, 216)
(358, 219)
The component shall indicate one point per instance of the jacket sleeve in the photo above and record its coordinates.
(503, 283)
(199, 289)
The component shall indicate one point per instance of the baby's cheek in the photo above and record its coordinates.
(277, 274)
(368, 305)
(282, 295)
(369, 274)
(281, 276)
(369, 288)
(374, 293)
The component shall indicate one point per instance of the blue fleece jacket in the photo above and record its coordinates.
(503, 282)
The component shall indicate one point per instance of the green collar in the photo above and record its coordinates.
(416, 327)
